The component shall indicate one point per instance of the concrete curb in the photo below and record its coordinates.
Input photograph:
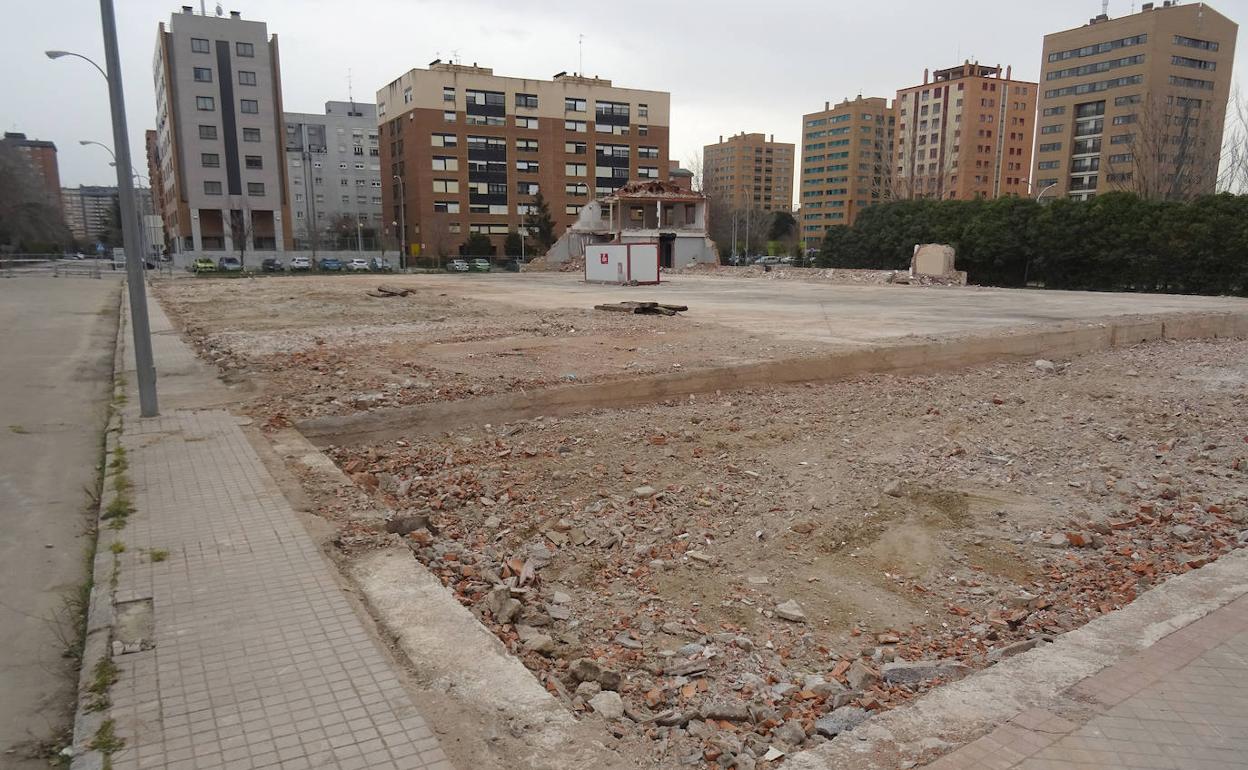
(962, 711)
(1049, 341)
(98, 643)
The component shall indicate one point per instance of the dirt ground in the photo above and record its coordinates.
(751, 571)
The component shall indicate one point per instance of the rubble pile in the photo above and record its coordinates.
(836, 275)
(735, 578)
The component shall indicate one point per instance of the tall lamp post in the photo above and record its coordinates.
(144, 365)
(402, 223)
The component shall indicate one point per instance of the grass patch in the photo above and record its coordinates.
(119, 462)
(106, 741)
(117, 547)
(18, 429)
(157, 554)
(119, 508)
(103, 677)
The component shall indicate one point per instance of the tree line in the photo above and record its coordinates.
(1114, 242)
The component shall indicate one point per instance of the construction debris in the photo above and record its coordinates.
(389, 290)
(643, 308)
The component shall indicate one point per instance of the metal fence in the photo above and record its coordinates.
(15, 265)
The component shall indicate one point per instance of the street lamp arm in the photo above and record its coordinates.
(59, 54)
(109, 150)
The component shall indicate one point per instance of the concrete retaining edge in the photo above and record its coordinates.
(1056, 341)
(98, 643)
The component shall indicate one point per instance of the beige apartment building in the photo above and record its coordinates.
(846, 150)
(964, 132)
(220, 137)
(749, 171)
(465, 151)
(1135, 103)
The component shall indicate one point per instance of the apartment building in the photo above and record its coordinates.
(466, 150)
(220, 136)
(749, 172)
(1135, 103)
(846, 162)
(964, 132)
(40, 157)
(334, 171)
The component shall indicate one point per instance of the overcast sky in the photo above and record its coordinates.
(730, 66)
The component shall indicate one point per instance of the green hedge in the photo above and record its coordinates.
(1114, 242)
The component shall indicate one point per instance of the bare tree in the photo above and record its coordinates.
(923, 171)
(1233, 174)
(1170, 151)
(436, 234)
(242, 230)
(695, 165)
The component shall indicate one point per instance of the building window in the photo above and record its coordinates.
(643, 110)
(205, 103)
(212, 188)
(529, 166)
(448, 116)
(1051, 147)
(528, 101)
(203, 74)
(1054, 129)
(442, 140)
(522, 122)
(575, 148)
(210, 160)
(1191, 42)
(255, 188)
(446, 185)
(575, 169)
(526, 145)
(578, 126)
(1191, 83)
(1048, 165)
(572, 208)
(1122, 120)
(200, 45)
(207, 132)
(578, 189)
(448, 93)
(647, 152)
(245, 49)
(254, 161)
(1051, 111)
(643, 130)
(249, 107)
(526, 188)
(246, 78)
(573, 105)
(253, 135)
(648, 172)
(446, 207)
(1122, 101)
(445, 163)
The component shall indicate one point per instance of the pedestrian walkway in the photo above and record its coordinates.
(1182, 703)
(259, 660)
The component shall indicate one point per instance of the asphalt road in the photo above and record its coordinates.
(56, 357)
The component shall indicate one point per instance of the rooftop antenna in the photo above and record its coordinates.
(220, 10)
(350, 97)
(203, 11)
(1104, 7)
(455, 55)
(580, 54)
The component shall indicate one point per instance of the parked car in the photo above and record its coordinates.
(786, 260)
(229, 265)
(767, 261)
(331, 265)
(300, 263)
(457, 265)
(358, 265)
(379, 265)
(205, 265)
(512, 265)
(479, 265)
(271, 265)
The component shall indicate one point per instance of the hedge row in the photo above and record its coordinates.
(1114, 242)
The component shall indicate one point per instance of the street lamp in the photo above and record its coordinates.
(144, 365)
(403, 223)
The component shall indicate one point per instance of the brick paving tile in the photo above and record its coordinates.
(1181, 704)
(259, 661)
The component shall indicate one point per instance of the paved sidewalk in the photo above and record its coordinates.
(260, 661)
(1182, 703)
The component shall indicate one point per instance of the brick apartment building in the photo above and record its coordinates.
(1135, 103)
(472, 148)
(749, 171)
(40, 156)
(964, 132)
(846, 162)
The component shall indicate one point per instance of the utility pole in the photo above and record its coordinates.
(146, 369)
(402, 224)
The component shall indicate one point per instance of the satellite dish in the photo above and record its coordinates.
(220, 10)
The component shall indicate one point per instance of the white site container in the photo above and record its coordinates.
(622, 263)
